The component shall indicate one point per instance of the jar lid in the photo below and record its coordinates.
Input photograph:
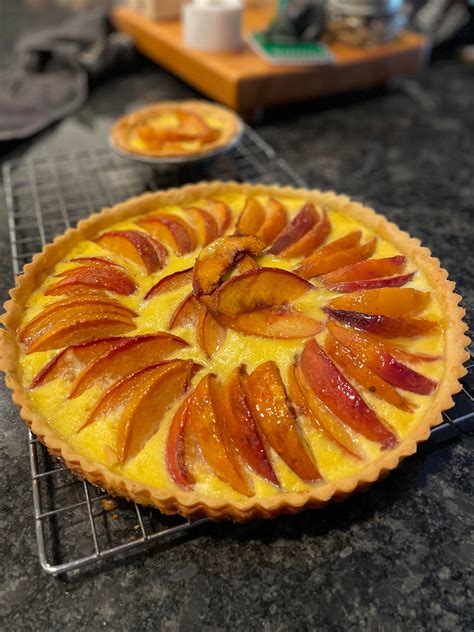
(366, 7)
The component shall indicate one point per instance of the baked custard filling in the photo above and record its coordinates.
(297, 346)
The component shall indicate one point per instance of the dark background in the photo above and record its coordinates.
(399, 557)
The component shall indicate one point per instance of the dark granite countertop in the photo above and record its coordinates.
(399, 557)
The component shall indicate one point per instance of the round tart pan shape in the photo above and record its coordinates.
(194, 502)
(231, 130)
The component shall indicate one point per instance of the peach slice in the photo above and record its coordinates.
(221, 213)
(276, 219)
(303, 221)
(273, 322)
(376, 356)
(348, 242)
(87, 326)
(209, 433)
(363, 270)
(56, 310)
(210, 334)
(68, 362)
(170, 282)
(196, 127)
(398, 352)
(120, 391)
(187, 312)
(217, 258)
(361, 373)
(251, 218)
(387, 301)
(146, 406)
(139, 352)
(320, 415)
(320, 262)
(234, 409)
(157, 138)
(373, 284)
(175, 448)
(312, 240)
(94, 261)
(332, 388)
(246, 263)
(258, 289)
(173, 230)
(204, 223)
(306, 404)
(267, 400)
(385, 326)
(93, 278)
(135, 246)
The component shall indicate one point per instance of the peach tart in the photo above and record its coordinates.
(232, 350)
(176, 129)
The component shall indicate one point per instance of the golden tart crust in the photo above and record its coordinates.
(194, 503)
(219, 119)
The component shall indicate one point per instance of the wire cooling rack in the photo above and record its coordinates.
(76, 524)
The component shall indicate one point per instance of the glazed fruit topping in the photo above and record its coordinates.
(237, 426)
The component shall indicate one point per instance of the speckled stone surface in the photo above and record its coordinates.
(397, 558)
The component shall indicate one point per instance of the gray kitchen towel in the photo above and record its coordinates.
(52, 71)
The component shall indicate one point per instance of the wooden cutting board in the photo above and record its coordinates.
(245, 82)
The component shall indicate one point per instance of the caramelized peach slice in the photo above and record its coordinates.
(210, 435)
(376, 356)
(170, 282)
(348, 242)
(363, 270)
(387, 301)
(217, 258)
(332, 388)
(175, 448)
(99, 262)
(204, 224)
(68, 362)
(210, 334)
(385, 326)
(120, 391)
(320, 262)
(234, 409)
(147, 405)
(171, 229)
(139, 352)
(267, 400)
(55, 311)
(251, 218)
(93, 278)
(135, 246)
(158, 138)
(187, 312)
(319, 414)
(306, 403)
(276, 219)
(221, 213)
(354, 368)
(84, 327)
(196, 127)
(312, 240)
(272, 322)
(184, 236)
(303, 221)
(373, 284)
(257, 290)
(246, 263)
(369, 339)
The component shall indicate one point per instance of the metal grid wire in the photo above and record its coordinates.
(77, 524)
